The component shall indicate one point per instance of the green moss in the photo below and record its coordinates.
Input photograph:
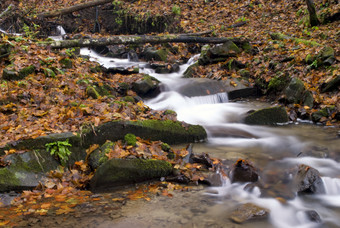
(117, 172)
(92, 92)
(49, 73)
(267, 116)
(171, 126)
(130, 139)
(169, 112)
(66, 63)
(128, 99)
(166, 147)
(278, 83)
(247, 47)
(7, 178)
(26, 71)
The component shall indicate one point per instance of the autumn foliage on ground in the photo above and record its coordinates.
(43, 103)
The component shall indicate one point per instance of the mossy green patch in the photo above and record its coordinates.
(267, 116)
(7, 179)
(130, 139)
(117, 172)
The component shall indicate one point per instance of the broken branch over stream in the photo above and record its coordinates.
(139, 39)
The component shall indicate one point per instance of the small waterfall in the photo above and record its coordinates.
(60, 31)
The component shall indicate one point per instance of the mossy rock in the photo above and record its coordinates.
(146, 87)
(66, 63)
(325, 112)
(277, 84)
(49, 73)
(219, 53)
(294, 91)
(40, 142)
(9, 74)
(118, 172)
(91, 91)
(190, 71)
(98, 156)
(156, 55)
(25, 170)
(168, 131)
(267, 116)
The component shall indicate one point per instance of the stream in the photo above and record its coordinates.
(276, 151)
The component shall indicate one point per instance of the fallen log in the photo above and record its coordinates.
(139, 39)
(74, 8)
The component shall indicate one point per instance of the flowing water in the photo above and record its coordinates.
(275, 151)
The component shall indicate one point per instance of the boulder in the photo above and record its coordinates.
(172, 132)
(40, 142)
(308, 181)
(243, 171)
(98, 157)
(25, 170)
(146, 87)
(219, 53)
(248, 211)
(267, 116)
(188, 73)
(118, 172)
(202, 87)
(296, 93)
(11, 74)
(165, 68)
(152, 54)
(330, 86)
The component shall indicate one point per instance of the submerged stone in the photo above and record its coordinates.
(248, 211)
(267, 116)
(118, 172)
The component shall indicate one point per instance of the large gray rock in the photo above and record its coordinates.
(267, 116)
(152, 54)
(117, 172)
(146, 87)
(205, 86)
(219, 53)
(172, 132)
(308, 181)
(294, 91)
(26, 170)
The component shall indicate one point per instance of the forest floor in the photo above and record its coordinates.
(40, 104)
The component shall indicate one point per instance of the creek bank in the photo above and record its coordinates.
(25, 170)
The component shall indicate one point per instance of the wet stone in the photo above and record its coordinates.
(248, 211)
(313, 216)
(308, 181)
(243, 171)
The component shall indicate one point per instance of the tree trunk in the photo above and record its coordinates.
(139, 39)
(74, 8)
(313, 18)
